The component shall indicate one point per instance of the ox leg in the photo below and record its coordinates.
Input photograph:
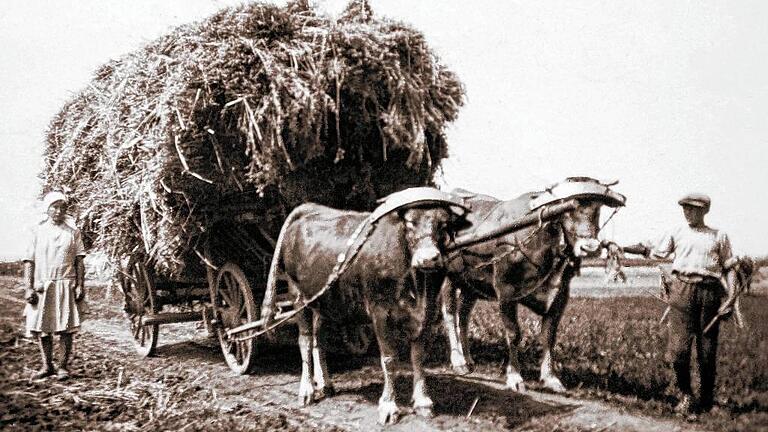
(306, 389)
(466, 304)
(422, 403)
(513, 336)
(550, 321)
(323, 385)
(451, 321)
(388, 411)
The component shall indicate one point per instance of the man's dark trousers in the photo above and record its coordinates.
(694, 302)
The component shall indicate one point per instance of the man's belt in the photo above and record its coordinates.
(691, 278)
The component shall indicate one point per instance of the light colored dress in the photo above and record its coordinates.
(53, 250)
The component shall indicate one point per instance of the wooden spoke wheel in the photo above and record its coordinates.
(233, 302)
(140, 300)
(357, 339)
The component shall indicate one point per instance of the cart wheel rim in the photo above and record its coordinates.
(234, 305)
(140, 300)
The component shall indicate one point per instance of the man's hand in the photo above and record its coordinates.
(30, 296)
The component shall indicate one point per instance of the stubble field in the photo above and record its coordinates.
(611, 347)
(610, 351)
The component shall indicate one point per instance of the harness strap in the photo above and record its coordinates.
(615, 210)
(516, 247)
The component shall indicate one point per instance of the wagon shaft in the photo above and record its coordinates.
(171, 318)
(543, 215)
(256, 324)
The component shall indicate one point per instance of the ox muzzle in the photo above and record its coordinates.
(427, 256)
(586, 247)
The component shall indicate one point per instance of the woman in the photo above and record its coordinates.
(54, 274)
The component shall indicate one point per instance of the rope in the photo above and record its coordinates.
(514, 248)
(518, 247)
(615, 210)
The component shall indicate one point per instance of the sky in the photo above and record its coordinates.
(666, 97)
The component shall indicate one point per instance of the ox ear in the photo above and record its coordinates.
(459, 223)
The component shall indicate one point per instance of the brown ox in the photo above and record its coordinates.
(533, 266)
(382, 284)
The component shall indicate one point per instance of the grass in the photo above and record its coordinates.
(613, 349)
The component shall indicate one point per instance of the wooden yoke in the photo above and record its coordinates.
(417, 196)
(545, 214)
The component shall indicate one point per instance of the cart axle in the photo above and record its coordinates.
(171, 317)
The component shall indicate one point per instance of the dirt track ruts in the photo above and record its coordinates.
(273, 388)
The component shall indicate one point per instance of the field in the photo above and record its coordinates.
(610, 356)
(641, 282)
(611, 346)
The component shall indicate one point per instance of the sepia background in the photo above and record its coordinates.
(667, 97)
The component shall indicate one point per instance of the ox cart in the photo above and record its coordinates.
(226, 286)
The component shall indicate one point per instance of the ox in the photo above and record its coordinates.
(533, 266)
(393, 281)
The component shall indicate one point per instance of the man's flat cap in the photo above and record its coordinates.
(696, 199)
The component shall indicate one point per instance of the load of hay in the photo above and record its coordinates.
(259, 107)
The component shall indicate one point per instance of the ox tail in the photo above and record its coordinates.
(270, 294)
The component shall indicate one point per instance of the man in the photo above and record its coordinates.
(54, 274)
(702, 256)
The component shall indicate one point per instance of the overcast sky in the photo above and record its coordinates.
(667, 97)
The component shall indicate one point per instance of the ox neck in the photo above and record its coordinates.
(562, 249)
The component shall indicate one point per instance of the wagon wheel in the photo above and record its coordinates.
(357, 339)
(140, 300)
(233, 301)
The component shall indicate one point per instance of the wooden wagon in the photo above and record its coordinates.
(223, 288)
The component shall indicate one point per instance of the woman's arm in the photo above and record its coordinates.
(79, 278)
(29, 281)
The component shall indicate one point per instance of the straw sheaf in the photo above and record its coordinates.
(258, 104)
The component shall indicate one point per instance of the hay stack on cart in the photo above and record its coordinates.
(184, 157)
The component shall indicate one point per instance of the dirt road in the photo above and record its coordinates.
(186, 355)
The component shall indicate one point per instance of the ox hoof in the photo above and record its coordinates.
(324, 392)
(388, 413)
(464, 369)
(424, 411)
(306, 398)
(553, 384)
(515, 383)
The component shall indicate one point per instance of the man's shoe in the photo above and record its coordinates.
(706, 404)
(685, 406)
(45, 372)
(62, 374)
